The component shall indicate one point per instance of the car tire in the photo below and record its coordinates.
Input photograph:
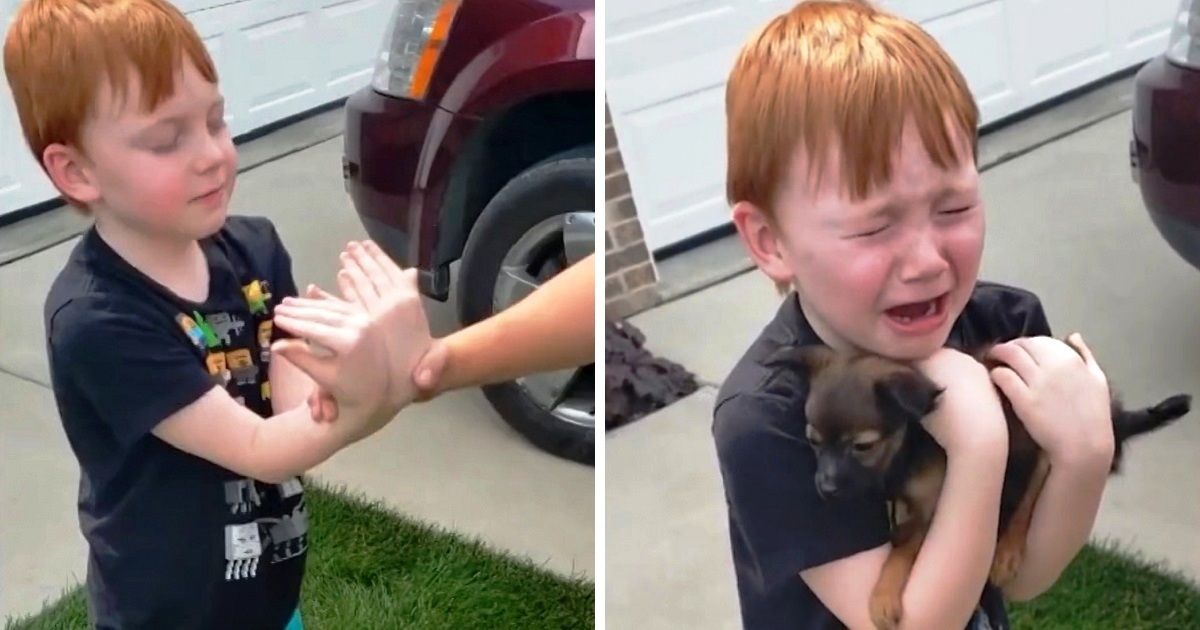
(554, 187)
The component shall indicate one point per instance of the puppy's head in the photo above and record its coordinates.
(859, 409)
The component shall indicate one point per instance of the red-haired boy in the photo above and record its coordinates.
(190, 436)
(851, 148)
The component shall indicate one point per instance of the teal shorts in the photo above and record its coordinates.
(295, 623)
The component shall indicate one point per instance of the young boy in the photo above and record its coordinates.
(159, 328)
(851, 147)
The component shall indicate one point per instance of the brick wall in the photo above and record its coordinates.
(630, 283)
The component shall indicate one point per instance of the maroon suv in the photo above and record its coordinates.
(1165, 149)
(475, 141)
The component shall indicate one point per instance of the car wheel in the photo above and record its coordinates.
(540, 223)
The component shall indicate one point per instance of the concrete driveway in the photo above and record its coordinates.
(452, 462)
(1064, 221)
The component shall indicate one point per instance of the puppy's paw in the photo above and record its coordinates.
(886, 610)
(1006, 563)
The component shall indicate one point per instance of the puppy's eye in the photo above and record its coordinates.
(863, 447)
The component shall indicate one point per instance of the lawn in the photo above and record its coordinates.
(369, 568)
(1108, 587)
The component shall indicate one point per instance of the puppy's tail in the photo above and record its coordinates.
(1127, 424)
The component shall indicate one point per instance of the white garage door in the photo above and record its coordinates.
(667, 61)
(276, 58)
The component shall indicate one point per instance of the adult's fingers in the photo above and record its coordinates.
(368, 294)
(346, 286)
(1048, 350)
(393, 270)
(374, 271)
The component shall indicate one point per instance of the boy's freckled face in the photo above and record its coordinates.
(889, 273)
(170, 171)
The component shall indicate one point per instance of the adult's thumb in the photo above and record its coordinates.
(428, 372)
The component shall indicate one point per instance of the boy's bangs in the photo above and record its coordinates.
(59, 56)
(840, 82)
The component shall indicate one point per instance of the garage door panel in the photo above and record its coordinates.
(680, 157)
(279, 38)
(923, 11)
(351, 65)
(976, 38)
(635, 45)
(1143, 27)
(210, 26)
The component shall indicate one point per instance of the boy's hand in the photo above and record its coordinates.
(969, 418)
(1060, 394)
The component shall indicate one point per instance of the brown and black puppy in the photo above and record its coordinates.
(864, 423)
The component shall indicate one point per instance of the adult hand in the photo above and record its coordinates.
(382, 308)
(968, 418)
(1060, 394)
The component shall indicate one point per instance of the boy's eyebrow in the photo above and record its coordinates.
(179, 118)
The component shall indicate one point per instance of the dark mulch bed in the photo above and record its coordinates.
(636, 382)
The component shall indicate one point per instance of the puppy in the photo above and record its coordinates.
(864, 423)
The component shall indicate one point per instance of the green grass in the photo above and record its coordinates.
(1108, 587)
(369, 568)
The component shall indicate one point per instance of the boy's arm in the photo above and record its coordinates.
(952, 566)
(216, 428)
(1062, 522)
(838, 547)
(141, 376)
(290, 386)
(1070, 500)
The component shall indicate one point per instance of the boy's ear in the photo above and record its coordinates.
(907, 393)
(761, 240)
(68, 171)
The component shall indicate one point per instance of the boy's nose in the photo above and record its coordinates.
(924, 260)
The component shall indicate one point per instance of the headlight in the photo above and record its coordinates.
(411, 47)
(1183, 47)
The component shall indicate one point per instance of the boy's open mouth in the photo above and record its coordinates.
(918, 315)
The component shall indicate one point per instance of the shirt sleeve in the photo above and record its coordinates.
(131, 365)
(768, 470)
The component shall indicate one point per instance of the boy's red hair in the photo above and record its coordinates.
(839, 76)
(59, 54)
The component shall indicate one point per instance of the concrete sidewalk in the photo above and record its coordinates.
(452, 462)
(1064, 221)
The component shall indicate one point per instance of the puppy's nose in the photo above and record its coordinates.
(827, 487)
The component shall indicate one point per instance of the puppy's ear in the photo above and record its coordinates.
(907, 393)
(810, 360)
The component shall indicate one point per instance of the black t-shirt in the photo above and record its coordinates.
(778, 524)
(174, 540)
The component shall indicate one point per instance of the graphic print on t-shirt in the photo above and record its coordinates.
(236, 347)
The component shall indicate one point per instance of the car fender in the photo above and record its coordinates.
(553, 54)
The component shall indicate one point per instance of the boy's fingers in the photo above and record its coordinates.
(318, 293)
(318, 314)
(1075, 340)
(320, 369)
(1011, 384)
(332, 337)
(346, 286)
(333, 305)
(1016, 356)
